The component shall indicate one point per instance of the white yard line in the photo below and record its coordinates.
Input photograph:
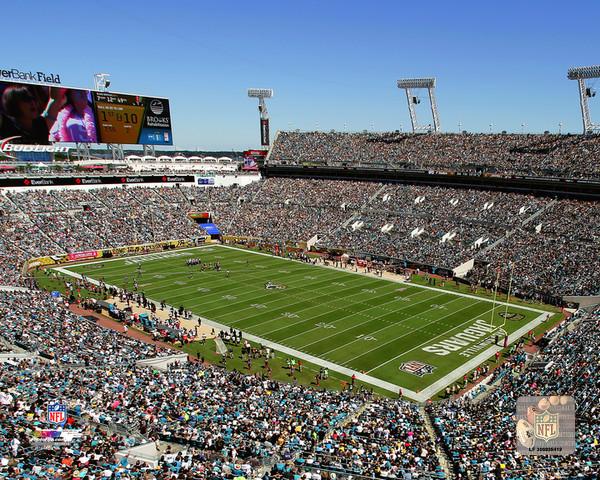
(285, 350)
(428, 341)
(435, 320)
(256, 298)
(309, 319)
(367, 321)
(483, 299)
(394, 280)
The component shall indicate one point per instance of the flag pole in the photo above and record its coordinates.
(512, 269)
(495, 295)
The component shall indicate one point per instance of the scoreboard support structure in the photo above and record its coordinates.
(83, 151)
(149, 150)
(261, 94)
(117, 151)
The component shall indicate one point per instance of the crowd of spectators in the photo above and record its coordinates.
(39, 323)
(557, 253)
(479, 437)
(420, 217)
(230, 423)
(573, 156)
(548, 247)
(385, 439)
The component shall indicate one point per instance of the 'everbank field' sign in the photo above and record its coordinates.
(18, 75)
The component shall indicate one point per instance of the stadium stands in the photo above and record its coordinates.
(572, 156)
(228, 420)
(31, 320)
(478, 437)
(233, 422)
(543, 241)
(234, 425)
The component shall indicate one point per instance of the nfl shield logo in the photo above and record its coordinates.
(57, 413)
(416, 368)
(546, 425)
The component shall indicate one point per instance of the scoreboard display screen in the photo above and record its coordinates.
(131, 119)
(33, 114)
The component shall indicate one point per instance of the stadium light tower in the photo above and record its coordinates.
(581, 74)
(101, 82)
(261, 94)
(409, 84)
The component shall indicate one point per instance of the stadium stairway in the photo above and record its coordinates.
(238, 210)
(439, 451)
(26, 215)
(355, 214)
(357, 413)
(509, 233)
(186, 200)
(100, 235)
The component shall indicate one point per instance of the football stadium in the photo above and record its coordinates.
(310, 304)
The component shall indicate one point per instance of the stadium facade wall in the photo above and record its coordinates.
(583, 301)
(582, 189)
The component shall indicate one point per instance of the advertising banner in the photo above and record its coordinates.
(264, 132)
(205, 180)
(48, 181)
(110, 252)
(252, 159)
(83, 255)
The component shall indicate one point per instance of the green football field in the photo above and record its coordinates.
(397, 333)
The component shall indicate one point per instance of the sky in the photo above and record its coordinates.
(333, 64)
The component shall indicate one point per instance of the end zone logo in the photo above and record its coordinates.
(417, 368)
(6, 146)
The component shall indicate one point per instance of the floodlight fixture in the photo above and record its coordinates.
(581, 74)
(408, 84)
(416, 83)
(261, 94)
(578, 73)
(101, 81)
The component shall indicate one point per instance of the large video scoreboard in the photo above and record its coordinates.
(40, 114)
(132, 119)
